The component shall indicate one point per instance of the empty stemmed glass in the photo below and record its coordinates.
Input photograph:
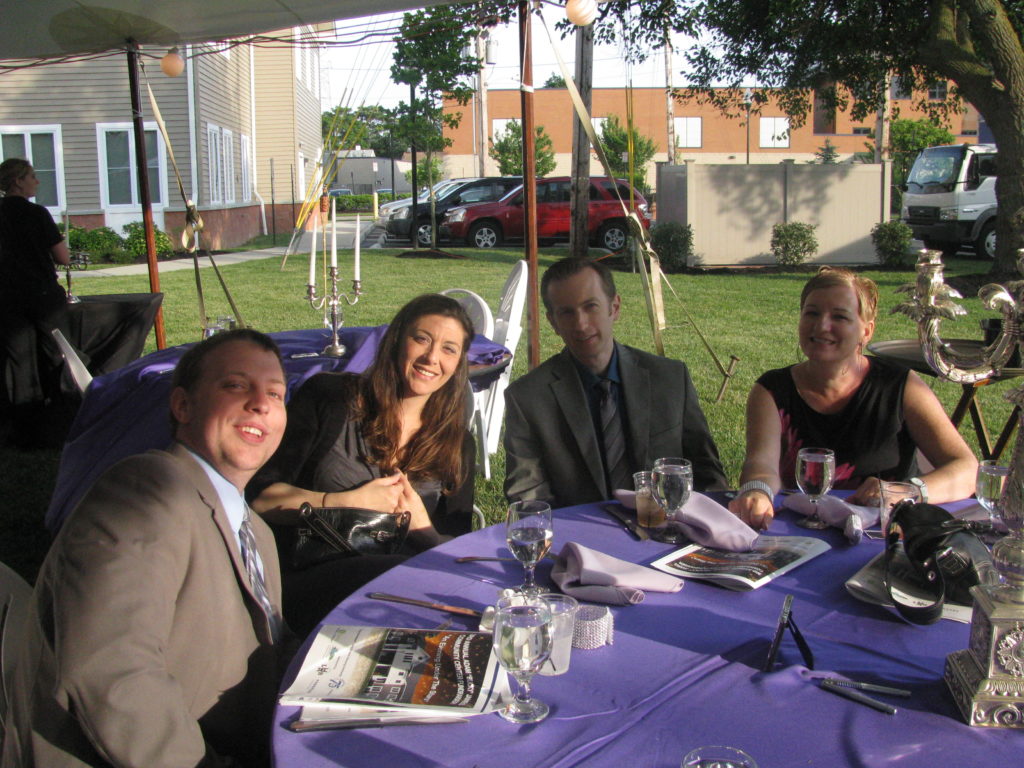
(815, 469)
(522, 643)
(989, 487)
(529, 531)
(672, 484)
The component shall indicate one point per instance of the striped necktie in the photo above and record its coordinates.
(249, 555)
(613, 438)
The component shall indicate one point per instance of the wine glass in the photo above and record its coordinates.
(529, 530)
(989, 488)
(815, 469)
(718, 757)
(522, 643)
(672, 484)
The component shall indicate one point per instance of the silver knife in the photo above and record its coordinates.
(630, 524)
(425, 604)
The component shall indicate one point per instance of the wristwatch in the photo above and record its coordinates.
(922, 487)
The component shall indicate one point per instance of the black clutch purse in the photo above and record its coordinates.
(326, 533)
(946, 553)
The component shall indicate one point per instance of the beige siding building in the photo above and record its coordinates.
(227, 115)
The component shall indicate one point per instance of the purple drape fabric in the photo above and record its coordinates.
(684, 671)
(125, 412)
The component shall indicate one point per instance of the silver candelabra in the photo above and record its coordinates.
(986, 679)
(334, 317)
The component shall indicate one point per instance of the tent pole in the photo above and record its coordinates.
(529, 185)
(143, 183)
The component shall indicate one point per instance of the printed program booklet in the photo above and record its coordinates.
(770, 557)
(868, 584)
(379, 672)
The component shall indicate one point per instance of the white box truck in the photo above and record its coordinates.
(949, 198)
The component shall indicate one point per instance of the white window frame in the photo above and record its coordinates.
(499, 126)
(229, 166)
(161, 153)
(938, 91)
(598, 124)
(215, 163)
(689, 131)
(58, 156)
(774, 133)
(244, 153)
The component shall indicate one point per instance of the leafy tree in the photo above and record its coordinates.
(907, 138)
(554, 81)
(368, 126)
(616, 139)
(507, 151)
(826, 154)
(844, 53)
(428, 171)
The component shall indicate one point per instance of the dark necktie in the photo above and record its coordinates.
(259, 587)
(613, 438)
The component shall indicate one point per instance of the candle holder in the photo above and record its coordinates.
(332, 305)
(986, 679)
(72, 299)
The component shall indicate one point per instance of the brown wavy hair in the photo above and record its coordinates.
(435, 451)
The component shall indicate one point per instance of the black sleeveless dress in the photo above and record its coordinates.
(869, 436)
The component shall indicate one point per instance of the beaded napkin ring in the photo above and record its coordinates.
(595, 626)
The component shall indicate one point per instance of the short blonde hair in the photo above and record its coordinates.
(864, 288)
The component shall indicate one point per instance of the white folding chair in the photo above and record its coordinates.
(483, 323)
(476, 308)
(15, 594)
(79, 373)
(508, 328)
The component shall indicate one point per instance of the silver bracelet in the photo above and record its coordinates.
(756, 485)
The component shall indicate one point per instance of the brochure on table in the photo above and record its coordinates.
(380, 671)
(770, 557)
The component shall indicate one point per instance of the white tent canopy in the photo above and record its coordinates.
(54, 28)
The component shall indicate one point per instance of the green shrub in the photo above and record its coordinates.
(102, 243)
(673, 242)
(892, 243)
(76, 237)
(793, 243)
(135, 241)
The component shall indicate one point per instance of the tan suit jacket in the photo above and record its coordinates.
(146, 646)
(552, 449)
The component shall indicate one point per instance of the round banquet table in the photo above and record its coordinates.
(684, 671)
(126, 412)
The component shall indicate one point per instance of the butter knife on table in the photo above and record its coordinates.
(627, 521)
(425, 604)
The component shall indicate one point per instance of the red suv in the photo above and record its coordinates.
(487, 225)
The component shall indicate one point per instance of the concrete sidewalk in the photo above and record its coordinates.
(346, 241)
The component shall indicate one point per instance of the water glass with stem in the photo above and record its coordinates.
(522, 643)
(529, 530)
(989, 487)
(815, 470)
(672, 485)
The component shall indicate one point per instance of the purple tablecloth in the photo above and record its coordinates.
(683, 672)
(126, 412)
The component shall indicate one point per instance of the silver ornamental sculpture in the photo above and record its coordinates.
(986, 679)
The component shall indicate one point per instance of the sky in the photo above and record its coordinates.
(360, 75)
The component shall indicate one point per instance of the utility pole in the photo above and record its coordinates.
(482, 53)
(670, 110)
(579, 204)
(882, 124)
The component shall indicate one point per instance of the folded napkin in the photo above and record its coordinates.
(711, 525)
(595, 577)
(834, 511)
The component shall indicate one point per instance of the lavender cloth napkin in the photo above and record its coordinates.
(832, 510)
(706, 522)
(595, 577)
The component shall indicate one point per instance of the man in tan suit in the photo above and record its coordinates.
(153, 633)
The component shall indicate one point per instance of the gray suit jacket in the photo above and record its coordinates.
(146, 646)
(552, 450)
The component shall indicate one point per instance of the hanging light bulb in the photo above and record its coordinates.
(581, 12)
(172, 64)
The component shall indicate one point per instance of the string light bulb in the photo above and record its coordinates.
(172, 64)
(581, 12)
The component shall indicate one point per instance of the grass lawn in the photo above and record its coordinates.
(751, 315)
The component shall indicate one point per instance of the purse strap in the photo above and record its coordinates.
(324, 530)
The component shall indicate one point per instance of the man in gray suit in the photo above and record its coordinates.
(153, 639)
(580, 424)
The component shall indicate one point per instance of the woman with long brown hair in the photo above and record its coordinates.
(394, 439)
